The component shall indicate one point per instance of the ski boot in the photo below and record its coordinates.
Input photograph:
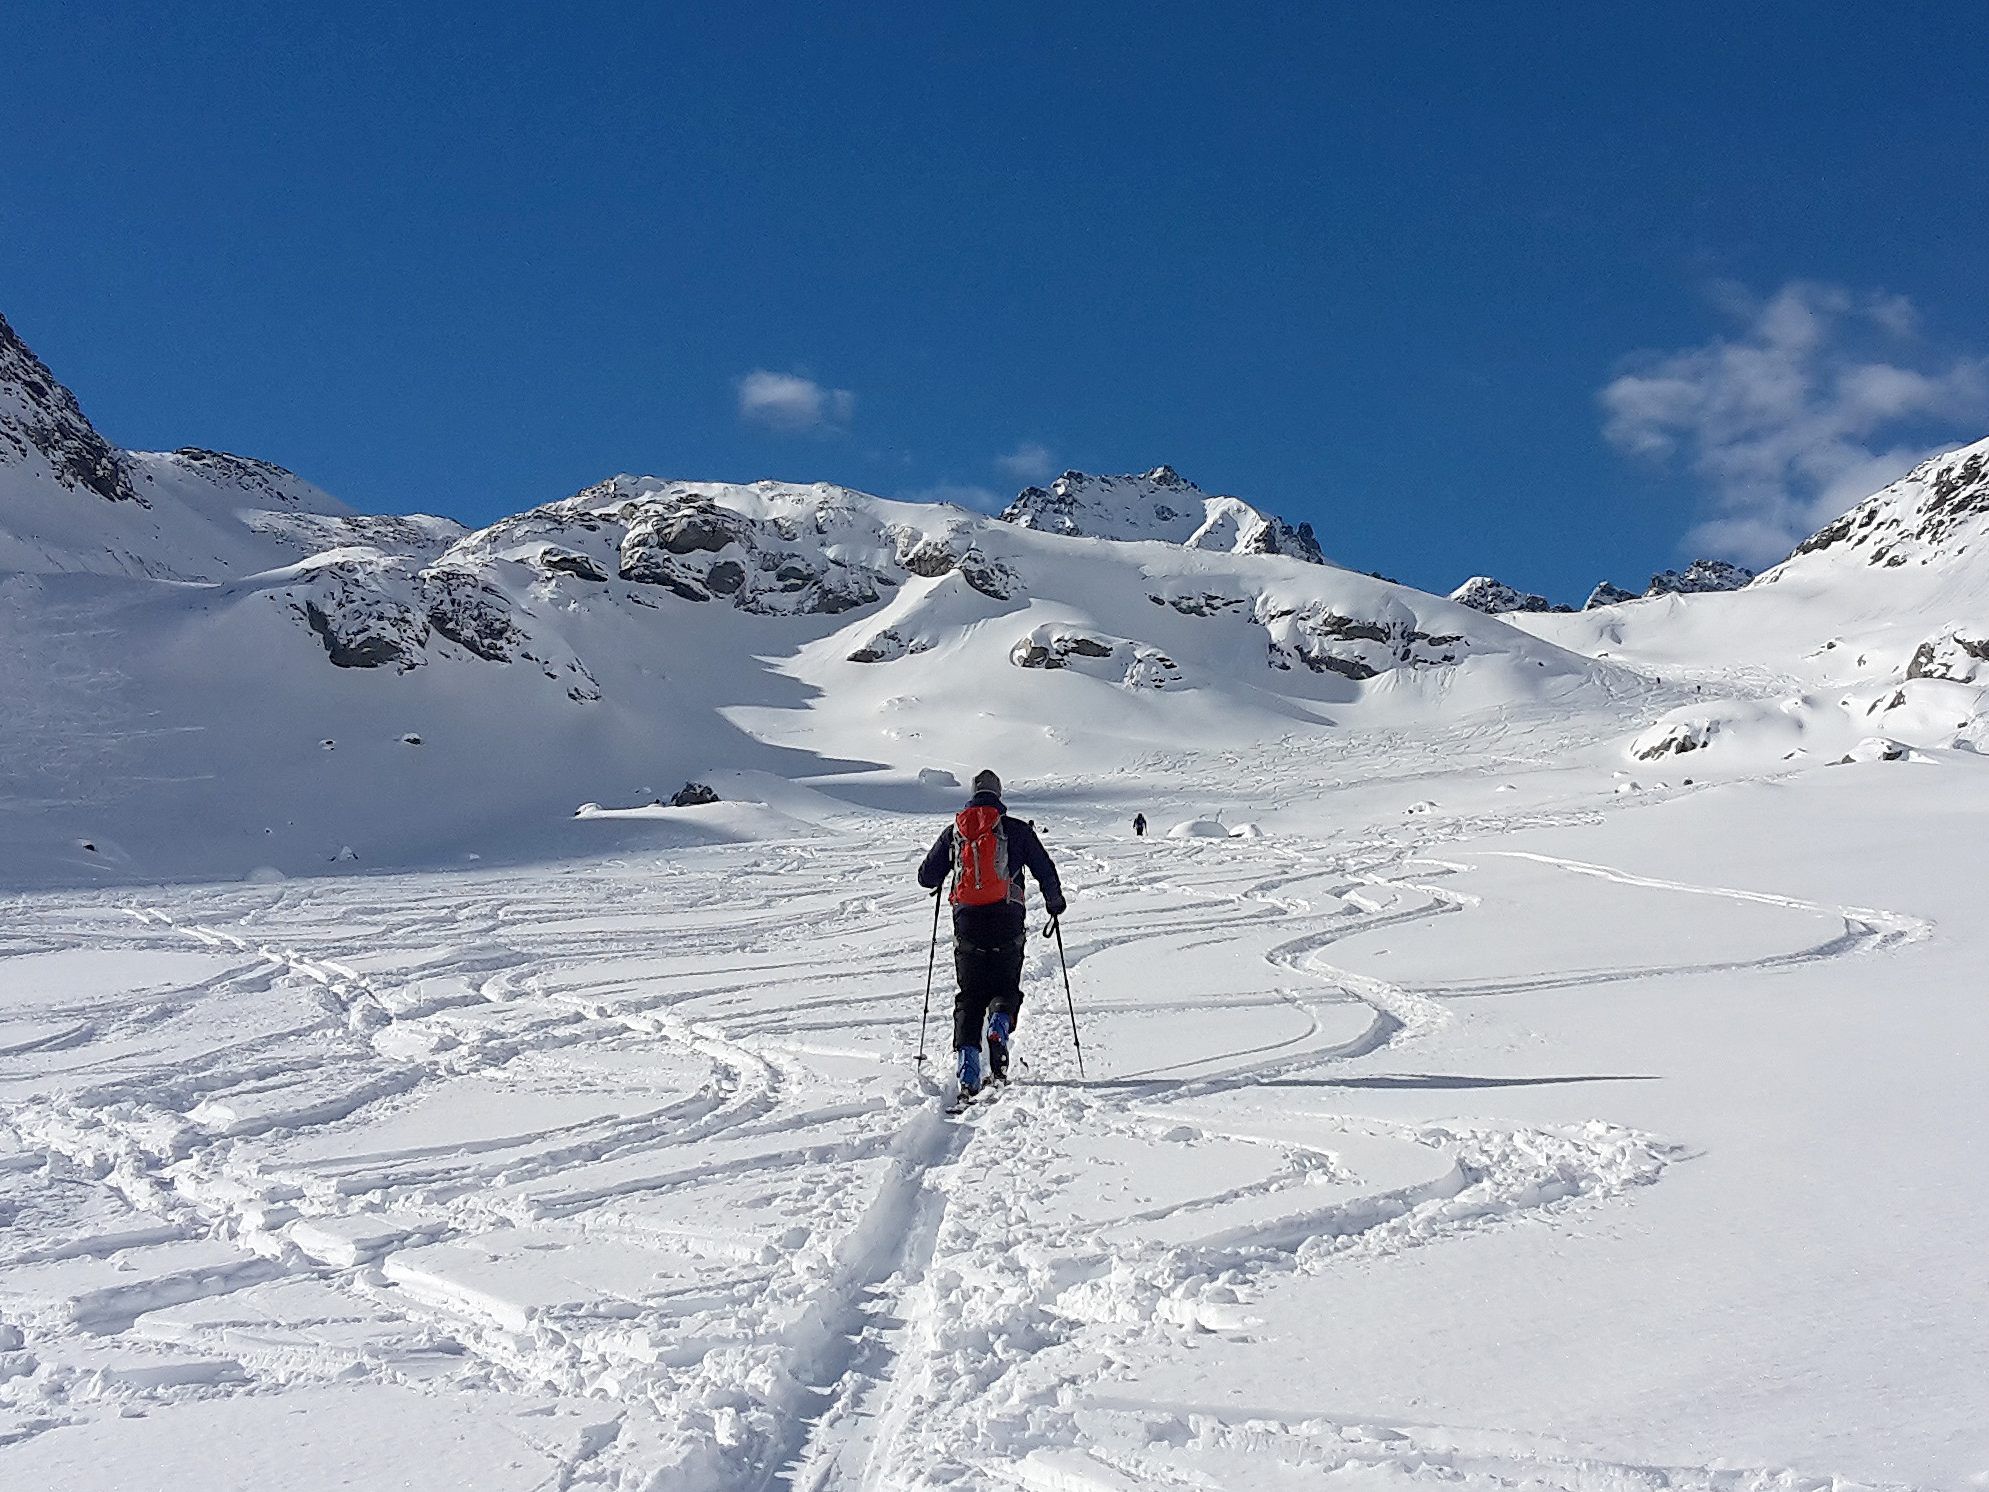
(970, 1072)
(1001, 1025)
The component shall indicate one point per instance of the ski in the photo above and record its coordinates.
(962, 1101)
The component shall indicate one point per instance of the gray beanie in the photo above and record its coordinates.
(986, 782)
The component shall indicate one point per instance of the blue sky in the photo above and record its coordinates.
(1553, 292)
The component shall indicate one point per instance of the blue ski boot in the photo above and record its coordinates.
(970, 1072)
(1001, 1025)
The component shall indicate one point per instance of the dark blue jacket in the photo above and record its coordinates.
(1004, 922)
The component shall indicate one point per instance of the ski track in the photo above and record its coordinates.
(917, 1325)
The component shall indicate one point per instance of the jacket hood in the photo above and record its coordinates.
(987, 800)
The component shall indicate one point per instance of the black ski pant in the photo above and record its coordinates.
(990, 980)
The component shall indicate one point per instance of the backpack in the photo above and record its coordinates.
(980, 858)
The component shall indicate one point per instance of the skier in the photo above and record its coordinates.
(986, 852)
(1139, 825)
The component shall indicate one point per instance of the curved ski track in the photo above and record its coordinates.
(919, 1327)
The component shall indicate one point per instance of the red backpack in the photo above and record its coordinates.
(980, 858)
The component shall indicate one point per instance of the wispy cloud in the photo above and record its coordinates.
(1823, 397)
(1030, 461)
(794, 405)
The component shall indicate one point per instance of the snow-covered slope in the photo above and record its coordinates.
(1159, 504)
(281, 680)
(1572, 1076)
(1934, 517)
(1827, 654)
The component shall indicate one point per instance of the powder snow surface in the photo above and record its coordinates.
(1475, 1123)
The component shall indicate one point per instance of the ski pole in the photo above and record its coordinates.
(932, 955)
(1057, 927)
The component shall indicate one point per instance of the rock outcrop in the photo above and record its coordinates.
(1158, 505)
(42, 426)
(1937, 511)
(1483, 593)
(1701, 576)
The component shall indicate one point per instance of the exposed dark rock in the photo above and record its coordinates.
(1955, 655)
(703, 527)
(360, 625)
(691, 795)
(566, 562)
(1057, 649)
(1916, 517)
(925, 556)
(1699, 577)
(1607, 594)
(470, 612)
(990, 577)
(1681, 738)
(48, 419)
(645, 565)
(1482, 593)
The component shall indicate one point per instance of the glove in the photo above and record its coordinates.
(1054, 904)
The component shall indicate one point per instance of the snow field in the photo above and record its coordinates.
(636, 1146)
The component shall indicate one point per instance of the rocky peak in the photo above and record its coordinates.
(1159, 504)
(1483, 593)
(1935, 511)
(1700, 576)
(1697, 578)
(41, 422)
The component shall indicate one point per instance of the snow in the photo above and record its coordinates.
(1536, 1126)
(1532, 1059)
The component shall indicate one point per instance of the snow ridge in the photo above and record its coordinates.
(1161, 505)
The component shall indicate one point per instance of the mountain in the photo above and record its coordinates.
(1865, 644)
(70, 501)
(1933, 516)
(229, 669)
(1159, 504)
(1697, 578)
(1483, 593)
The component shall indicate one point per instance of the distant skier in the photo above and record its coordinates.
(1139, 825)
(986, 851)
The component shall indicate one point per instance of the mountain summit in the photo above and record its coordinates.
(1931, 515)
(1158, 505)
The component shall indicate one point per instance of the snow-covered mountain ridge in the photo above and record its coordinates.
(1933, 515)
(274, 658)
(1159, 504)
(1494, 597)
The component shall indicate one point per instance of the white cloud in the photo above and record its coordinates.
(792, 404)
(1030, 461)
(1818, 402)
